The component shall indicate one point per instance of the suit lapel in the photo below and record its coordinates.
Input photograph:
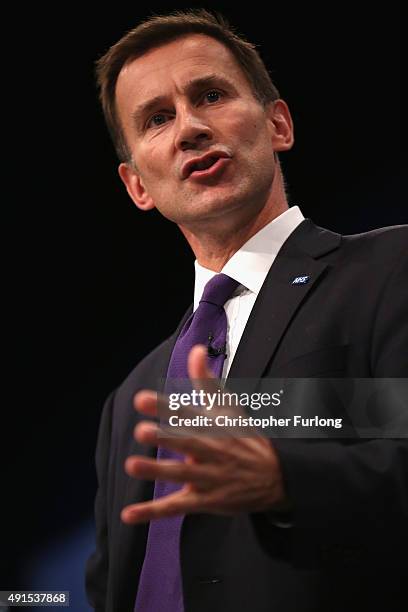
(279, 299)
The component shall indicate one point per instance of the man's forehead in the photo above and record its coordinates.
(187, 53)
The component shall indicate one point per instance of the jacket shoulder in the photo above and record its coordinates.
(380, 249)
(392, 237)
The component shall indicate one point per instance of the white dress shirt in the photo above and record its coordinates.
(249, 266)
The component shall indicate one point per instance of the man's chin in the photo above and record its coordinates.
(211, 210)
(214, 203)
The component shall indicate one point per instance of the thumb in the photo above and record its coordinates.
(197, 364)
(199, 371)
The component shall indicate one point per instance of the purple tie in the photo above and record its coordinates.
(160, 586)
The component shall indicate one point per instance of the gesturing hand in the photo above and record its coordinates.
(221, 475)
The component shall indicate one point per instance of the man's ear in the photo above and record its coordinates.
(135, 187)
(281, 125)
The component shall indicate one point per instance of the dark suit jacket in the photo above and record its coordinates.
(348, 546)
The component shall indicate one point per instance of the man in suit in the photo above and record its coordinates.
(282, 524)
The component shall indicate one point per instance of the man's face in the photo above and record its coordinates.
(202, 145)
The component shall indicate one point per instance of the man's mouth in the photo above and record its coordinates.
(202, 166)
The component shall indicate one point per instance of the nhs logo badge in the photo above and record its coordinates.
(300, 280)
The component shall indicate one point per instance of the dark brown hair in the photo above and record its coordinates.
(160, 29)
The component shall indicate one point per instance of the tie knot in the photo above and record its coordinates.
(219, 289)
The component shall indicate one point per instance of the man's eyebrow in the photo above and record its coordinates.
(210, 80)
(146, 107)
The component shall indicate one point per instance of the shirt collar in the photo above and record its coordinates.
(250, 265)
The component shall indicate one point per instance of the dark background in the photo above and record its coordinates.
(94, 283)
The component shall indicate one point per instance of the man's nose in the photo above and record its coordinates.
(191, 130)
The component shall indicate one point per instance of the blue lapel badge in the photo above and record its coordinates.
(300, 280)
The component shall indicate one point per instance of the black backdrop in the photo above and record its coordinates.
(94, 283)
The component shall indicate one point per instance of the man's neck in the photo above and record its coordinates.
(214, 246)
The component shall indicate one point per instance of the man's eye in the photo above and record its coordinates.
(157, 120)
(212, 96)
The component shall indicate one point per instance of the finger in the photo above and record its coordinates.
(150, 403)
(155, 404)
(145, 401)
(203, 378)
(182, 502)
(202, 448)
(197, 362)
(199, 370)
(146, 432)
(150, 433)
(175, 471)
